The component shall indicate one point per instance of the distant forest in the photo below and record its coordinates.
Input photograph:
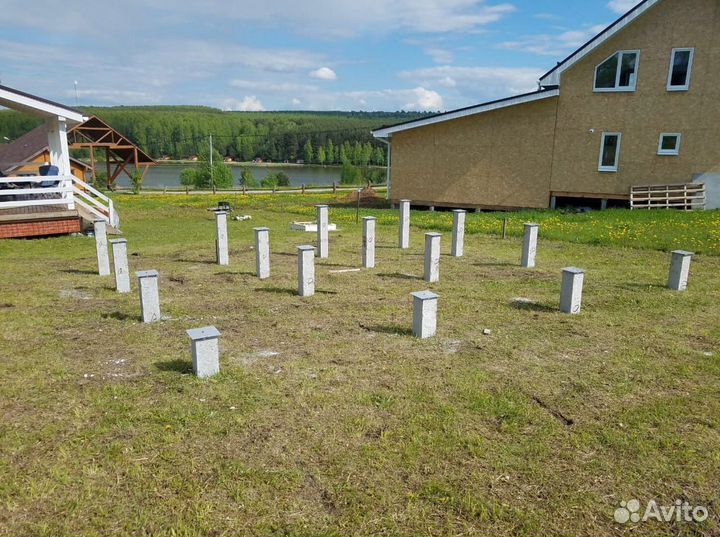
(179, 132)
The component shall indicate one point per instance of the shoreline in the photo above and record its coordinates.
(283, 190)
(249, 164)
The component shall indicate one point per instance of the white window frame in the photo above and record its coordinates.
(686, 86)
(616, 89)
(669, 152)
(615, 167)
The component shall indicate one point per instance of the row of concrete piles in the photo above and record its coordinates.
(205, 348)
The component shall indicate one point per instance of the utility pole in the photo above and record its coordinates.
(76, 94)
(212, 177)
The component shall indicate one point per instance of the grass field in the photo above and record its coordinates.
(328, 418)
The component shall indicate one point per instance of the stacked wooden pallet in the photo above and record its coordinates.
(685, 196)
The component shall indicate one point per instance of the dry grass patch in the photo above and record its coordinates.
(327, 417)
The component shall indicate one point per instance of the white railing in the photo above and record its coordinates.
(66, 190)
(20, 195)
(95, 201)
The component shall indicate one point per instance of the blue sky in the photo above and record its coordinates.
(291, 54)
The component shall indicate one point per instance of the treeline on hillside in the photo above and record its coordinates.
(180, 132)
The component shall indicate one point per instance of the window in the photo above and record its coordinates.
(609, 152)
(618, 72)
(669, 144)
(680, 69)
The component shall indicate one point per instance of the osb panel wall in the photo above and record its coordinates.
(500, 158)
(642, 115)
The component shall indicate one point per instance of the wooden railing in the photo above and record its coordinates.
(685, 196)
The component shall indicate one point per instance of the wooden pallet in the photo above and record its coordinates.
(684, 196)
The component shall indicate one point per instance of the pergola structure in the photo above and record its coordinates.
(120, 153)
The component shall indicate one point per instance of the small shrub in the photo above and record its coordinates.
(247, 179)
(101, 180)
(188, 177)
(137, 181)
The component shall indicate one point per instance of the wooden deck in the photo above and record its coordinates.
(36, 212)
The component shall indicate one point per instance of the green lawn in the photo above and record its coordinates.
(328, 418)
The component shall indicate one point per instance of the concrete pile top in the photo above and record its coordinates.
(207, 332)
(424, 295)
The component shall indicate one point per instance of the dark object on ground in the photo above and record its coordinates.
(222, 206)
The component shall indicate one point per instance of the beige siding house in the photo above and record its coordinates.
(637, 105)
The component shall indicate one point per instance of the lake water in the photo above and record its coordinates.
(168, 175)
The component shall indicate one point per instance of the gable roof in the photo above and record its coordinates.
(549, 83)
(552, 77)
(31, 144)
(95, 131)
(32, 104)
(545, 93)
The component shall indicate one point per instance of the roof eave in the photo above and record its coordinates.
(552, 77)
(387, 132)
(24, 102)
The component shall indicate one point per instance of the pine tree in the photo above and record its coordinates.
(356, 154)
(366, 154)
(320, 158)
(308, 153)
(379, 156)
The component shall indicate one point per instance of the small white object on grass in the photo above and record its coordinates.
(221, 238)
(572, 289)
(101, 247)
(529, 246)
(680, 270)
(306, 270)
(120, 262)
(424, 314)
(432, 257)
(458, 233)
(205, 351)
(149, 295)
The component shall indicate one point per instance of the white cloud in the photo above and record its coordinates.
(406, 99)
(211, 55)
(112, 96)
(169, 69)
(324, 73)
(622, 6)
(247, 104)
(173, 57)
(447, 82)
(328, 18)
(553, 44)
(478, 83)
(260, 86)
(439, 55)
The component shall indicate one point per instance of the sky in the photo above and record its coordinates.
(429, 55)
